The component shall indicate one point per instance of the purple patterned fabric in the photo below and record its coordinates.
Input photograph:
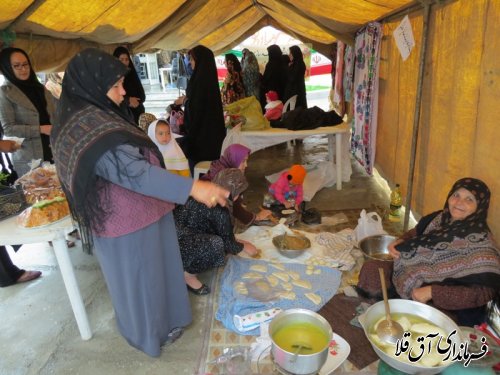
(366, 76)
(232, 157)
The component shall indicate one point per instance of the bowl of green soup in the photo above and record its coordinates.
(300, 340)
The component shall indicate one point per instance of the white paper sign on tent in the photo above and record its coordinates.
(403, 35)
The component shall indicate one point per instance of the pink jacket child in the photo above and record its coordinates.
(274, 106)
(288, 189)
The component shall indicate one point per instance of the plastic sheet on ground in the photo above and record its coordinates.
(318, 176)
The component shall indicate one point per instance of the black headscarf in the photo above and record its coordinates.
(33, 90)
(452, 252)
(231, 57)
(274, 77)
(295, 78)
(204, 119)
(132, 83)
(89, 125)
(31, 87)
(446, 229)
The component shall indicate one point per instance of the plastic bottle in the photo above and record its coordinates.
(395, 207)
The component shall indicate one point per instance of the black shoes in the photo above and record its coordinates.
(201, 291)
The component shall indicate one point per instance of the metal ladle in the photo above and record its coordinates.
(388, 330)
(298, 348)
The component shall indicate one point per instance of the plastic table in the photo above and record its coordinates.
(259, 139)
(13, 234)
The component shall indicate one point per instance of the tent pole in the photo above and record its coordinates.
(416, 119)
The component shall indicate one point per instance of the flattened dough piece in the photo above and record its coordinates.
(241, 287)
(287, 286)
(282, 276)
(273, 280)
(259, 268)
(294, 275)
(314, 298)
(252, 275)
(306, 284)
(278, 266)
(288, 295)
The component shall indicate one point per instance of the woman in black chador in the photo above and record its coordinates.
(274, 77)
(135, 96)
(203, 119)
(296, 82)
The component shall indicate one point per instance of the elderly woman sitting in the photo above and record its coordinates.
(206, 236)
(235, 156)
(449, 258)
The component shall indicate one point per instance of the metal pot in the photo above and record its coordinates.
(293, 362)
(433, 315)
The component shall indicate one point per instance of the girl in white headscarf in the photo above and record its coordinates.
(174, 158)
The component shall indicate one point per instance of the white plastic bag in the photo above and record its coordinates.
(232, 136)
(369, 224)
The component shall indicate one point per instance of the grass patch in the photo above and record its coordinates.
(316, 87)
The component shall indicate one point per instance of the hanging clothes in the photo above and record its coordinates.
(348, 73)
(366, 75)
(338, 89)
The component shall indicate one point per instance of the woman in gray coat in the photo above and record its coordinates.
(26, 109)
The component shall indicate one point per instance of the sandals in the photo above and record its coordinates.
(28, 276)
(201, 291)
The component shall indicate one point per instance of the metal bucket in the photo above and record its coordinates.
(297, 363)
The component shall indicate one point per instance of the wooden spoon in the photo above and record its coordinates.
(388, 330)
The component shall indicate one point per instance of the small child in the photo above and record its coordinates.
(174, 158)
(274, 106)
(287, 189)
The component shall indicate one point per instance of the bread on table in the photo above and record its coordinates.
(44, 212)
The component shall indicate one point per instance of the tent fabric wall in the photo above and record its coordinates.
(459, 120)
(178, 24)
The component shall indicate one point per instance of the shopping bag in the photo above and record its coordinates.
(250, 109)
(369, 224)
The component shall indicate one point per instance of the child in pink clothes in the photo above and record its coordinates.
(274, 106)
(287, 190)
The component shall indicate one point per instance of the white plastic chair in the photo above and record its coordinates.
(290, 103)
(200, 168)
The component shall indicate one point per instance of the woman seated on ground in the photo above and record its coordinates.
(235, 156)
(205, 237)
(233, 180)
(449, 258)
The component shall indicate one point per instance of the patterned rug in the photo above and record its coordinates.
(216, 337)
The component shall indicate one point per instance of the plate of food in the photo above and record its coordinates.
(44, 213)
